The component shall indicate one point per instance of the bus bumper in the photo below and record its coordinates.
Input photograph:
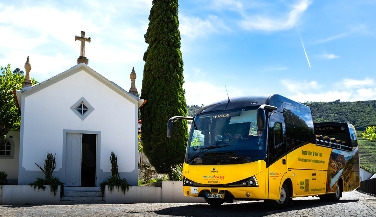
(251, 193)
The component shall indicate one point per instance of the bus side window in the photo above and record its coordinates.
(276, 145)
(278, 136)
(353, 138)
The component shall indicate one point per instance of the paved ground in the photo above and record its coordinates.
(352, 204)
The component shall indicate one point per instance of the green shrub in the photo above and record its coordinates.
(176, 174)
(3, 178)
(114, 180)
(53, 182)
(148, 172)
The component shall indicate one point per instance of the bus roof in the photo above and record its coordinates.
(233, 103)
(252, 101)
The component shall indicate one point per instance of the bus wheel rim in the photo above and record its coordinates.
(282, 195)
(338, 191)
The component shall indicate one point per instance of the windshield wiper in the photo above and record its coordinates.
(205, 149)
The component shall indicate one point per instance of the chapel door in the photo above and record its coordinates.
(88, 164)
(73, 159)
(81, 160)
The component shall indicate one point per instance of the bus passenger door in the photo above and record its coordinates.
(276, 158)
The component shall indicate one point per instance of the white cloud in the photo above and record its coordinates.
(227, 3)
(332, 38)
(47, 21)
(239, 6)
(131, 6)
(234, 5)
(203, 92)
(274, 68)
(193, 27)
(276, 23)
(352, 83)
(345, 90)
(298, 86)
(321, 96)
(45, 32)
(363, 94)
(327, 56)
(200, 90)
(252, 15)
(357, 29)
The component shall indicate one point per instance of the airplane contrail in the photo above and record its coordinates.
(309, 64)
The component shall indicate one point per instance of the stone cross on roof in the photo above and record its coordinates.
(82, 58)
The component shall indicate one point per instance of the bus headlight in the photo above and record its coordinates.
(252, 181)
(187, 182)
(248, 182)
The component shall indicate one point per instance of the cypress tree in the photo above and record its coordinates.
(162, 88)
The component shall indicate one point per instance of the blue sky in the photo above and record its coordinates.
(307, 50)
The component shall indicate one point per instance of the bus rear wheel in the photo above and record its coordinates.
(214, 201)
(332, 197)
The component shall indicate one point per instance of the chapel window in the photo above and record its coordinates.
(82, 108)
(6, 149)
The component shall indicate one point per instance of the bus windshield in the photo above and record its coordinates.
(225, 137)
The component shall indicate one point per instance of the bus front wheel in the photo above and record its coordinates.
(284, 200)
(214, 201)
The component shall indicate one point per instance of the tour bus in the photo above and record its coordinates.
(266, 148)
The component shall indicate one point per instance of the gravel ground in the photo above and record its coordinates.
(351, 204)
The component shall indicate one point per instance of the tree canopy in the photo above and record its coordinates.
(162, 88)
(9, 114)
(370, 133)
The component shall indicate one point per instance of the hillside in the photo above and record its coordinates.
(367, 151)
(361, 113)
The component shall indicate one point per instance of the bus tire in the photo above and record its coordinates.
(285, 198)
(332, 197)
(214, 201)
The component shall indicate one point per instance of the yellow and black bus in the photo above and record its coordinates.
(266, 148)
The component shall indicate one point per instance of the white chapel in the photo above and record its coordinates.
(80, 117)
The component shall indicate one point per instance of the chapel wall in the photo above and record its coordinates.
(49, 113)
(10, 165)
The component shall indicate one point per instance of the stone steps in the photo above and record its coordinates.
(82, 195)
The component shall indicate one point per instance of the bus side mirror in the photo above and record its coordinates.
(262, 111)
(261, 119)
(170, 123)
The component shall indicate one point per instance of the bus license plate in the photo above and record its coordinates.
(214, 196)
